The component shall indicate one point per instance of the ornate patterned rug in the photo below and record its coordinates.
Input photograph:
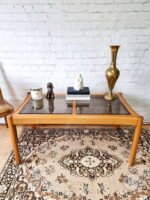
(78, 164)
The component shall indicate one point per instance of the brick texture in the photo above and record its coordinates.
(54, 40)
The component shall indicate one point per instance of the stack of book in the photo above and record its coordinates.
(83, 94)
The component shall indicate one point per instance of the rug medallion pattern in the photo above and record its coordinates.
(77, 164)
(90, 163)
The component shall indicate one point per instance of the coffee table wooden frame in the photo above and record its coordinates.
(133, 119)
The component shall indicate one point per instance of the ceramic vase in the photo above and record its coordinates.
(112, 73)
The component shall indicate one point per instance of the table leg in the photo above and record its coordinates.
(15, 133)
(116, 127)
(136, 138)
(6, 122)
(33, 126)
(14, 139)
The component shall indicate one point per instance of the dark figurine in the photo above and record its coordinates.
(50, 93)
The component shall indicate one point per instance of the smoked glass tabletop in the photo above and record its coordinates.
(98, 105)
(45, 106)
(59, 105)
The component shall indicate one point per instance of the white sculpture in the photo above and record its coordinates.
(78, 83)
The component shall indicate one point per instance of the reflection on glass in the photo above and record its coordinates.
(59, 105)
(81, 105)
(51, 105)
(37, 104)
(112, 107)
(79, 109)
(108, 108)
(99, 105)
(47, 106)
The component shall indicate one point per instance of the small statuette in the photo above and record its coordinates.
(50, 93)
(78, 83)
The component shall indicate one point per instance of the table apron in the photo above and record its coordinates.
(75, 119)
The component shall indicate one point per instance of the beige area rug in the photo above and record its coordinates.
(78, 164)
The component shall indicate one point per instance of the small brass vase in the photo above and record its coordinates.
(112, 73)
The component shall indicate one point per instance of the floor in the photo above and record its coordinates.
(6, 146)
(5, 143)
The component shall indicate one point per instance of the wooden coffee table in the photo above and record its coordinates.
(97, 111)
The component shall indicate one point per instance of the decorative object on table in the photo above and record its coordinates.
(37, 104)
(50, 93)
(78, 83)
(112, 73)
(36, 93)
(51, 105)
(73, 94)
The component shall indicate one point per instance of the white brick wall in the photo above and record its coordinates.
(54, 40)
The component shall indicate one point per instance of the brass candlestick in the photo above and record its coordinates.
(112, 73)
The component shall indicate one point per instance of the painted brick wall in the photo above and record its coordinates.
(54, 40)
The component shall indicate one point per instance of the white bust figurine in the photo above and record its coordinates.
(78, 83)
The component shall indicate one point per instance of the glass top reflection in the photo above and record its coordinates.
(47, 106)
(59, 105)
(98, 105)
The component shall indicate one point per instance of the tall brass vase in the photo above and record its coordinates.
(112, 73)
